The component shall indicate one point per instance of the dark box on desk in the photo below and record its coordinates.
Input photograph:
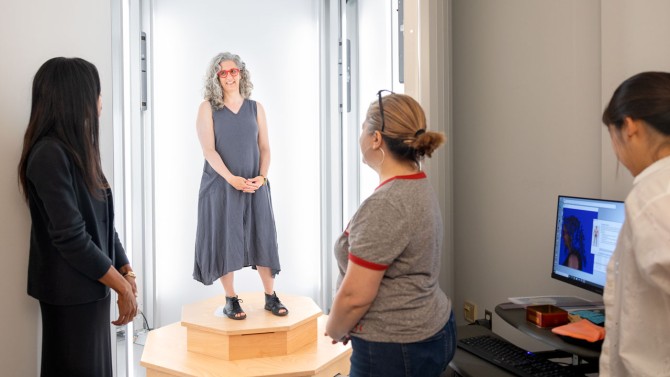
(546, 315)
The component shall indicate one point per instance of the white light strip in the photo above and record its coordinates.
(127, 212)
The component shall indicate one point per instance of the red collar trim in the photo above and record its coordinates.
(419, 175)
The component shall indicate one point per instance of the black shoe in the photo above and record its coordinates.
(233, 308)
(273, 304)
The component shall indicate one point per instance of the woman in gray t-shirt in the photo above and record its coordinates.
(389, 302)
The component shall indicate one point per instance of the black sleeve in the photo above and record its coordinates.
(51, 174)
(121, 259)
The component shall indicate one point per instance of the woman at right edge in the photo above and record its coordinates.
(637, 291)
(389, 303)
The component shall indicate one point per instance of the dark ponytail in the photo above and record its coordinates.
(645, 96)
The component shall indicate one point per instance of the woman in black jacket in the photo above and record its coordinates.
(75, 252)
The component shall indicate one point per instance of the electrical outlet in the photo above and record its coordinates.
(470, 311)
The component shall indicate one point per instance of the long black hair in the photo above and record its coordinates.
(64, 106)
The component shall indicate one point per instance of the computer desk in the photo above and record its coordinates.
(584, 358)
(515, 315)
(466, 364)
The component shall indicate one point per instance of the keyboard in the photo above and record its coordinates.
(512, 358)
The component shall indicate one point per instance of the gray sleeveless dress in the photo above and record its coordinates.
(235, 229)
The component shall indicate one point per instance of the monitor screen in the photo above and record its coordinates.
(585, 237)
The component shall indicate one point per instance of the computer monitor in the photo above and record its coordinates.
(585, 237)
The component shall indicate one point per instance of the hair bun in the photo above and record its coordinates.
(426, 142)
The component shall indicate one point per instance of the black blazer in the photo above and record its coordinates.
(73, 241)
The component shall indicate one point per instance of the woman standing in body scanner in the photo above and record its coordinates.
(236, 226)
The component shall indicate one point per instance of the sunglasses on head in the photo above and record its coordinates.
(381, 107)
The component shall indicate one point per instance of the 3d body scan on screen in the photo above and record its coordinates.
(586, 235)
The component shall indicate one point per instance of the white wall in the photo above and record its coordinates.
(30, 33)
(526, 108)
(530, 79)
(279, 42)
(634, 39)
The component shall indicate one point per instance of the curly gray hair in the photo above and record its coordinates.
(213, 91)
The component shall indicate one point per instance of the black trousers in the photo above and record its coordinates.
(76, 340)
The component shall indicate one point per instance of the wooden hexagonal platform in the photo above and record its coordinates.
(261, 334)
(206, 344)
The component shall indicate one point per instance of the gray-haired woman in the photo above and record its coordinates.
(236, 225)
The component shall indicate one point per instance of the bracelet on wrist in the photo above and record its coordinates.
(131, 274)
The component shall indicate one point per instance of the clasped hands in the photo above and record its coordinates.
(247, 185)
(344, 339)
(127, 303)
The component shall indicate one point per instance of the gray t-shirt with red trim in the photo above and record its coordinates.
(399, 229)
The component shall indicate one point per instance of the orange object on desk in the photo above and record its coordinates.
(546, 315)
(582, 329)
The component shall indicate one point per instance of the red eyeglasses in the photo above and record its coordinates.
(224, 72)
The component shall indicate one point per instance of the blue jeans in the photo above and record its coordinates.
(426, 358)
